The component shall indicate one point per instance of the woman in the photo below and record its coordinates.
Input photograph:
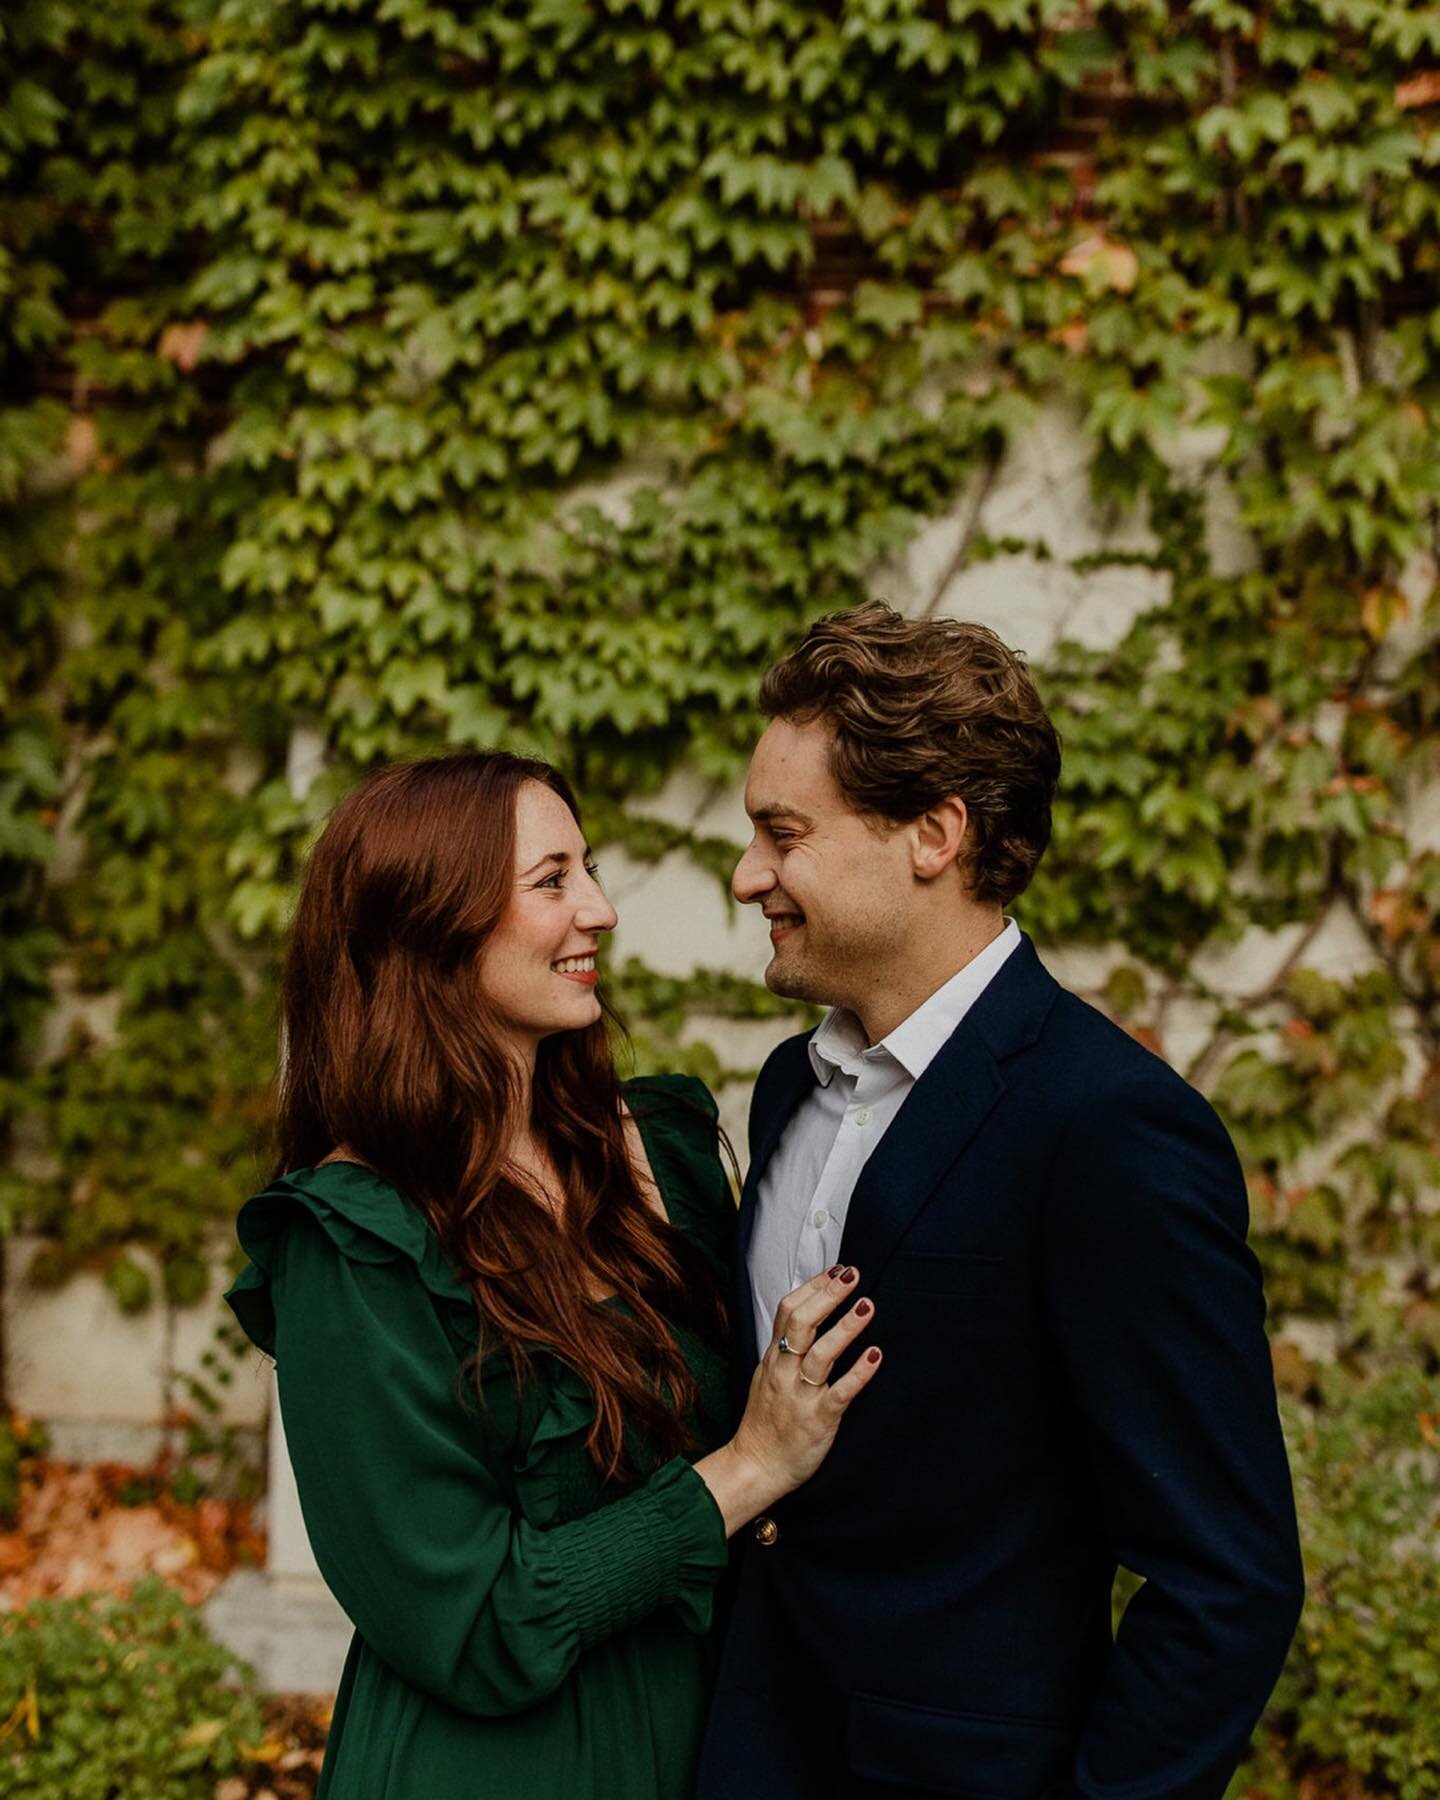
(492, 1281)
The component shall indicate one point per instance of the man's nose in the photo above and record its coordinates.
(752, 879)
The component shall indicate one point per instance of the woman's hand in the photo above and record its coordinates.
(794, 1409)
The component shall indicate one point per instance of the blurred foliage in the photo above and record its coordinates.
(19, 1438)
(34, 523)
(1361, 1692)
(118, 1699)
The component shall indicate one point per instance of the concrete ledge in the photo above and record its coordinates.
(116, 1441)
(291, 1631)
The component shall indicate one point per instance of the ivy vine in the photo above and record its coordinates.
(391, 375)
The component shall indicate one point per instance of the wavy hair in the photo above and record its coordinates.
(921, 709)
(392, 1052)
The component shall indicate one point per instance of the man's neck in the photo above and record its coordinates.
(890, 1003)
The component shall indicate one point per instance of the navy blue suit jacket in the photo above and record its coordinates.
(1076, 1375)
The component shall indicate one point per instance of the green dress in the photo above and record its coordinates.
(522, 1630)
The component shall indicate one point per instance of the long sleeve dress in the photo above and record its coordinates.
(523, 1631)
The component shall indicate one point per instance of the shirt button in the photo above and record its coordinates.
(820, 1218)
(864, 1116)
(767, 1532)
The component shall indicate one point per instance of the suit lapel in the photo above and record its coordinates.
(941, 1114)
(944, 1110)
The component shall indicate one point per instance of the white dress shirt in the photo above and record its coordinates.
(805, 1191)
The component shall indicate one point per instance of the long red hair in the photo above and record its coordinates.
(391, 1051)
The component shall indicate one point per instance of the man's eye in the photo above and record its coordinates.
(593, 871)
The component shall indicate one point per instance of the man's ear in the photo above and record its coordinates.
(938, 838)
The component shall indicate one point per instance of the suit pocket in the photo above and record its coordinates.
(969, 1756)
(938, 1272)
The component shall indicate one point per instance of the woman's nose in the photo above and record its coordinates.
(596, 914)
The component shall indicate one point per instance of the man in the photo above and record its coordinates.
(1051, 1225)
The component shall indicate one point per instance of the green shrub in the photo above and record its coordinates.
(1362, 1686)
(111, 1699)
(19, 1438)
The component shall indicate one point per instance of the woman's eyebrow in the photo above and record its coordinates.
(556, 856)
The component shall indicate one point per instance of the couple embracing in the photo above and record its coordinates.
(628, 1500)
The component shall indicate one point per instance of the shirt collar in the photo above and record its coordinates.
(838, 1042)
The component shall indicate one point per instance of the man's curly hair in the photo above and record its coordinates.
(922, 709)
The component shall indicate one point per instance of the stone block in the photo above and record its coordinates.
(72, 1354)
(694, 804)
(290, 1555)
(73, 1357)
(676, 918)
(292, 1633)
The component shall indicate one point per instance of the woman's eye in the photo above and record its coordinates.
(557, 880)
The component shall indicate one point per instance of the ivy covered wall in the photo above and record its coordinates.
(322, 323)
(331, 330)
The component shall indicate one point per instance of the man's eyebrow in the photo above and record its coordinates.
(762, 815)
(562, 857)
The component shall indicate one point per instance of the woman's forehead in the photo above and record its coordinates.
(543, 823)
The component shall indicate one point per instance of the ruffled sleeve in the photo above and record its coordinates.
(416, 1533)
(365, 1218)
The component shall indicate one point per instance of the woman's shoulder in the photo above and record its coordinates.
(365, 1216)
(670, 1096)
(352, 1215)
(676, 1112)
(679, 1126)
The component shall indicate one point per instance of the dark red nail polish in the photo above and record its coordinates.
(848, 1275)
(832, 1273)
(872, 1356)
(863, 1309)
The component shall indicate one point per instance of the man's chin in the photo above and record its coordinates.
(791, 981)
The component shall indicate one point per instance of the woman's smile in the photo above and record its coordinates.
(578, 968)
